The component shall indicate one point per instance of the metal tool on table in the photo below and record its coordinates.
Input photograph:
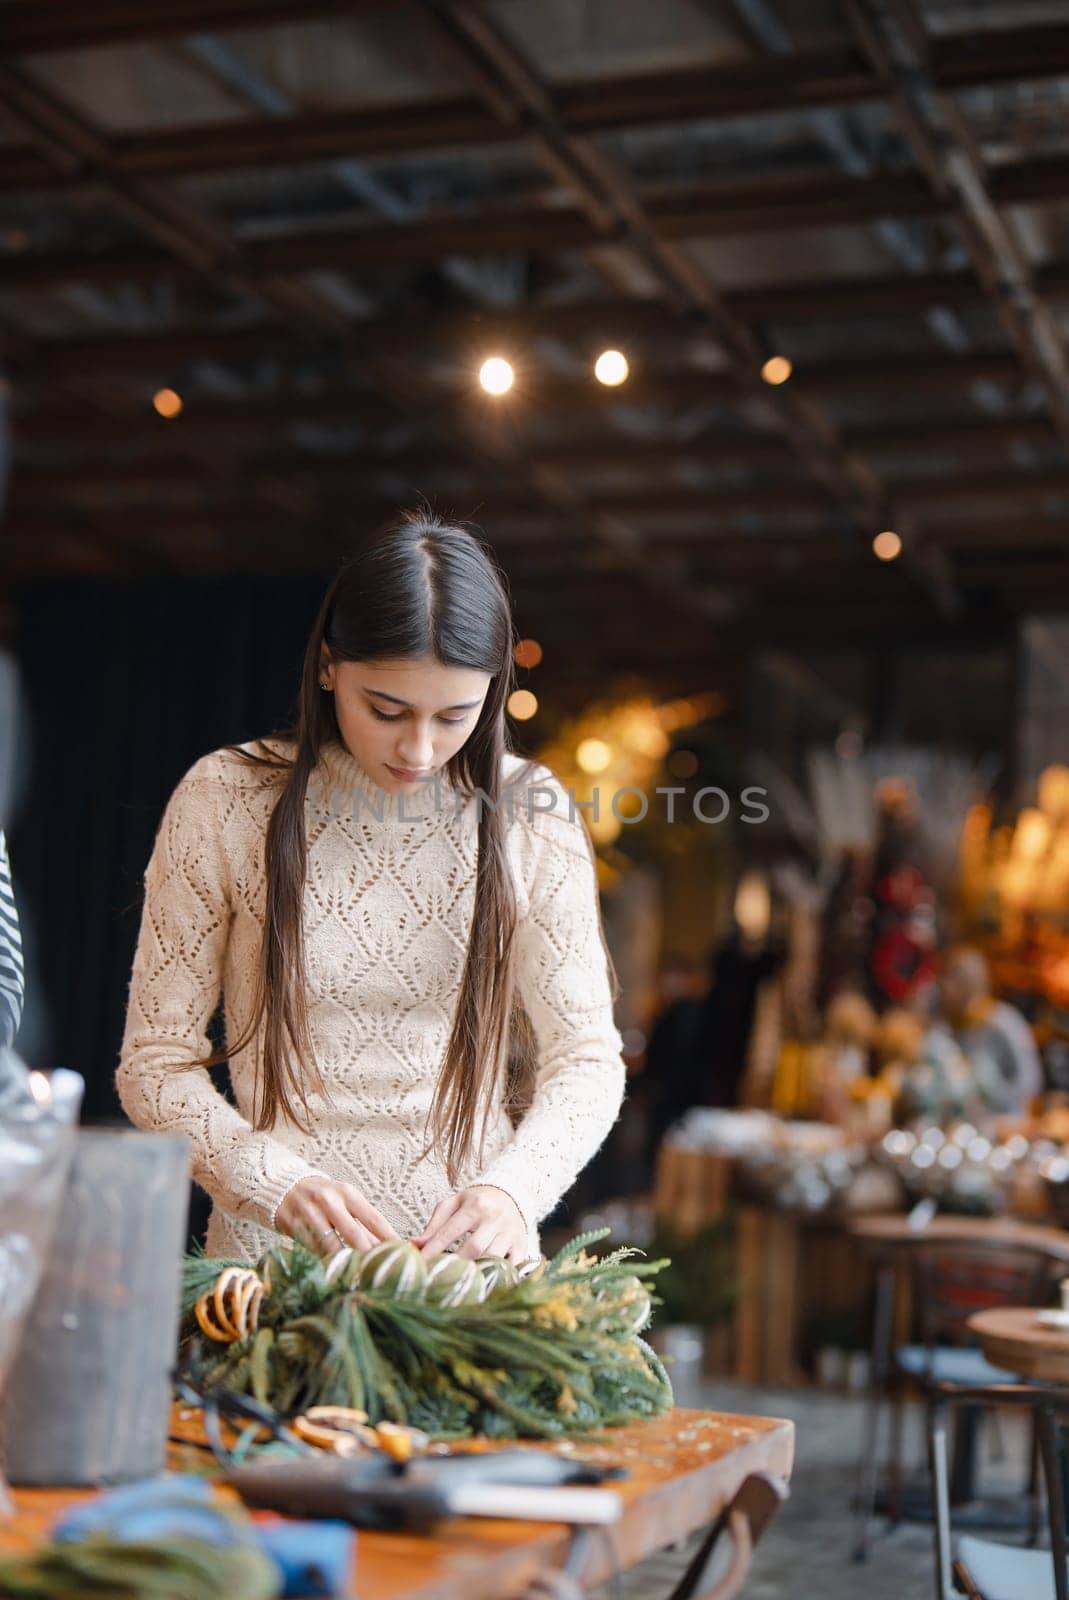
(374, 1490)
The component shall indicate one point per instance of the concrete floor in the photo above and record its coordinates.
(806, 1553)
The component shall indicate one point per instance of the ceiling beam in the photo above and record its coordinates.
(33, 29)
(463, 330)
(697, 211)
(422, 463)
(745, 502)
(706, 92)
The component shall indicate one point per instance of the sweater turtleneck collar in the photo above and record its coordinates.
(347, 786)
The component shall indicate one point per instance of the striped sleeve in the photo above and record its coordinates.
(11, 973)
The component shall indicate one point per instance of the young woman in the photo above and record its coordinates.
(378, 896)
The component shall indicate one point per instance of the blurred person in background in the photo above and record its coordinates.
(699, 1046)
(994, 1037)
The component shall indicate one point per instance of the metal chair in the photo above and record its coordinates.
(950, 1281)
(984, 1569)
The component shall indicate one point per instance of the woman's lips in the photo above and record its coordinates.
(405, 775)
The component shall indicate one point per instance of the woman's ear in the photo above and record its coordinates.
(326, 667)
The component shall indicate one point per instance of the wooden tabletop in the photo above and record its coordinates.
(892, 1230)
(1013, 1337)
(684, 1467)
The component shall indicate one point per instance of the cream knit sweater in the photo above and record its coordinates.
(387, 908)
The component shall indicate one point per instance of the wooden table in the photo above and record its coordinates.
(684, 1468)
(1012, 1337)
(889, 1231)
(790, 1267)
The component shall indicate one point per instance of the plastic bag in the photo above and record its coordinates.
(38, 1127)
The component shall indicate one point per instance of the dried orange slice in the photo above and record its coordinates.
(204, 1311)
(345, 1438)
(399, 1442)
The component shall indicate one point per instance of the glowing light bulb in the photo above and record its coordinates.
(522, 705)
(611, 368)
(887, 545)
(167, 402)
(496, 375)
(777, 369)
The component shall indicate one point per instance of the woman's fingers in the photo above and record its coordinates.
(346, 1228)
(448, 1221)
(488, 1241)
(323, 1214)
(317, 1230)
(366, 1214)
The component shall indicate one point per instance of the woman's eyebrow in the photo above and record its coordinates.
(380, 694)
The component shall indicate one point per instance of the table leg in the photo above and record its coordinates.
(880, 1370)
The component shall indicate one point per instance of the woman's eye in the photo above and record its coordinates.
(386, 716)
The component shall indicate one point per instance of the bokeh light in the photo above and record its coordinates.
(528, 653)
(522, 705)
(496, 375)
(593, 755)
(887, 545)
(167, 402)
(611, 368)
(776, 370)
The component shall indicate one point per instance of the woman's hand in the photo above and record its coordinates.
(489, 1215)
(323, 1215)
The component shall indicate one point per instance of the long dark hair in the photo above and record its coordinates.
(418, 587)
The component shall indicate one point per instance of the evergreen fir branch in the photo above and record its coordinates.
(552, 1354)
(574, 1246)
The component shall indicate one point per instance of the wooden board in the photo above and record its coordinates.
(684, 1469)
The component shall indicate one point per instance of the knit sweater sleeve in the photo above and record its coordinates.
(174, 990)
(563, 980)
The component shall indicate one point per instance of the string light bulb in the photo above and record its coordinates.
(167, 402)
(611, 368)
(887, 546)
(522, 705)
(776, 370)
(496, 375)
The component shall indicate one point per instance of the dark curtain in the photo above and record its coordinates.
(126, 685)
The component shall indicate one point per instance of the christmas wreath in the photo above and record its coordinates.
(449, 1346)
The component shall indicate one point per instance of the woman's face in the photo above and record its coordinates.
(404, 720)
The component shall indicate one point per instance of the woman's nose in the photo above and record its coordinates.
(416, 749)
